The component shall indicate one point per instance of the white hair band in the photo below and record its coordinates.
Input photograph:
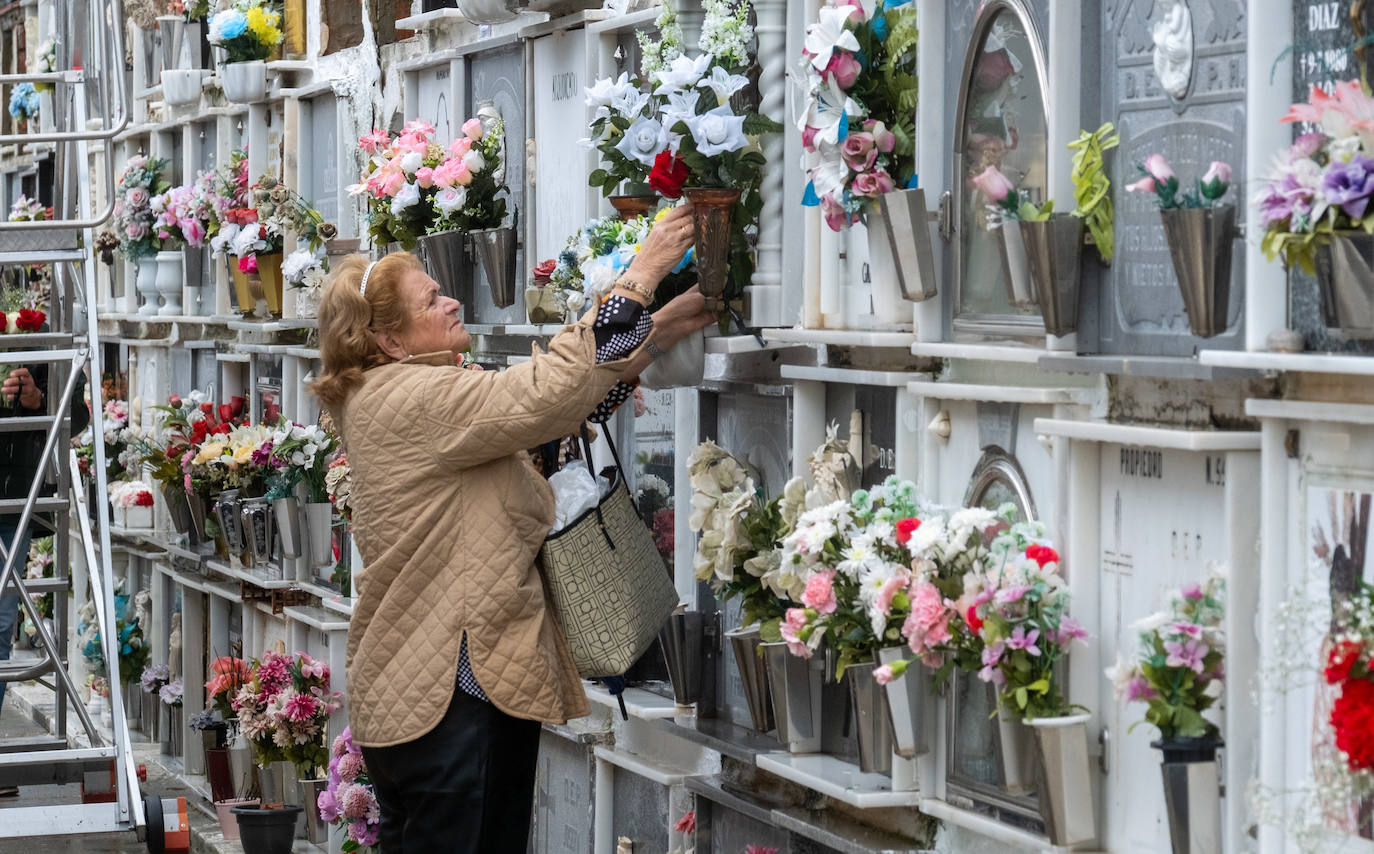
(362, 289)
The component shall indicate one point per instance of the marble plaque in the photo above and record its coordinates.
(563, 797)
(560, 120)
(1147, 50)
(320, 169)
(434, 101)
(640, 810)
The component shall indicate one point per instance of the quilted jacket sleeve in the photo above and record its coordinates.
(480, 416)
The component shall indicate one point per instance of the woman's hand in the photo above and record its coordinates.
(668, 241)
(19, 384)
(683, 315)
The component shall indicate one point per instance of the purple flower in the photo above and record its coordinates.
(1189, 654)
(1349, 185)
(1020, 639)
(1192, 630)
(329, 806)
(1192, 591)
(263, 455)
(363, 833)
(991, 656)
(1007, 595)
(1139, 689)
(1307, 145)
(1070, 630)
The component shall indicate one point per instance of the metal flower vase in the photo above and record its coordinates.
(319, 532)
(287, 514)
(152, 718)
(904, 236)
(681, 639)
(133, 703)
(1064, 778)
(443, 257)
(171, 32)
(629, 207)
(178, 508)
(258, 529)
(230, 520)
(1054, 253)
(1015, 755)
(795, 686)
(196, 505)
(711, 208)
(1200, 243)
(869, 706)
(905, 699)
(195, 44)
(495, 251)
(172, 746)
(753, 673)
(1345, 276)
(316, 828)
(1015, 265)
(1192, 793)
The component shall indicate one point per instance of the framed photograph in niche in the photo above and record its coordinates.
(1001, 123)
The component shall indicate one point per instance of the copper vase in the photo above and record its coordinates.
(630, 207)
(711, 216)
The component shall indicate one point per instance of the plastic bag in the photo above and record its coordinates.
(574, 493)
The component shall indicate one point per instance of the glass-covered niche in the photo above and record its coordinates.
(984, 772)
(1001, 124)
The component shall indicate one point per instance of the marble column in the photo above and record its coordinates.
(765, 292)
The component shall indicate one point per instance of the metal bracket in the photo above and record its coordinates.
(1104, 740)
(946, 217)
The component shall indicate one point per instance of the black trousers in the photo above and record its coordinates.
(465, 787)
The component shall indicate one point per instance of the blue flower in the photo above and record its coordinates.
(880, 28)
(809, 197)
(24, 101)
(686, 259)
(229, 24)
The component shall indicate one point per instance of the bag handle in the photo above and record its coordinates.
(587, 458)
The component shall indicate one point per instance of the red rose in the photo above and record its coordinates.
(174, 400)
(543, 271)
(1352, 720)
(668, 175)
(208, 408)
(143, 499)
(199, 430)
(905, 528)
(222, 429)
(971, 617)
(1343, 657)
(30, 320)
(225, 413)
(236, 405)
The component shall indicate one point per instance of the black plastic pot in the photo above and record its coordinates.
(1182, 749)
(267, 831)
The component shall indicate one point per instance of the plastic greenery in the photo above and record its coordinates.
(134, 217)
(1092, 187)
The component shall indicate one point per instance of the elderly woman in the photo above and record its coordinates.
(453, 656)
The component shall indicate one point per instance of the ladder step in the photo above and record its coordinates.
(48, 339)
(26, 357)
(61, 820)
(42, 256)
(29, 744)
(24, 423)
(41, 585)
(27, 238)
(67, 755)
(45, 503)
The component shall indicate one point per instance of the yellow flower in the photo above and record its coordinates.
(263, 25)
(662, 212)
(244, 454)
(209, 452)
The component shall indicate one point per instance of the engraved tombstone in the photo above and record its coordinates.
(432, 99)
(496, 79)
(560, 120)
(319, 146)
(1173, 76)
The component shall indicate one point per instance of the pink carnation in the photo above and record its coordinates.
(793, 624)
(820, 592)
(302, 707)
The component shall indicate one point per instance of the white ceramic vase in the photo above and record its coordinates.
(244, 82)
(181, 86)
(169, 281)
(146, 283)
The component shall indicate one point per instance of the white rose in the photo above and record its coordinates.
(575, 300)
(474, 161)
(407, 196)
(450, 199)
(411, 162)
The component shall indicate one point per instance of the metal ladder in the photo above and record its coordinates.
(90, 46)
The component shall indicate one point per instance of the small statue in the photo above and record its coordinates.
(174, 646)
(1173, 37)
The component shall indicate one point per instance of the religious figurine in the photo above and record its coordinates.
(1173, 37)
(490, 114)
(174, 646)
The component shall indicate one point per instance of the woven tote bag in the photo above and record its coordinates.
(610, 588)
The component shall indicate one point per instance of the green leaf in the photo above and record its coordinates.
(597, 178)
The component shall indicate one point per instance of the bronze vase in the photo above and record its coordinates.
(711, 215)
(630, 207)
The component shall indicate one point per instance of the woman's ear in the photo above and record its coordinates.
(389, 345)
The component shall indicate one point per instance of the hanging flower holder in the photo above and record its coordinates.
(319, 532)
(1200, 245)
(258, 528)
(244, 82)
(1015, 756)
(1015, 264)
(171, 32)
(178, 508)
(181, 86)
(904, 698)
(900, 238)
(316, 828)
(630, 207)
(1192, 793)
(711, 216)
(495, 251)
(230, 520)
(1064, 778)
(683, 641)
(195, 45)
(1054, 253)
(1345, 275)
(269, 274)
(443, 257)
(795, 684)
(871, 722)
(753, 674)
(287, 514)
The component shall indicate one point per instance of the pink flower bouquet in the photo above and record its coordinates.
(284, 710)
(1158, 177)
(348, 800)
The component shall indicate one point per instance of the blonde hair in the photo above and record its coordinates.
(349, 321)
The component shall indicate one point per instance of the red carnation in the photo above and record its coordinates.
(143, 499)
(971, 617)
(1343, 657)
(1352, 719)
(30, 320)
(670, 172)
(1042, 554)
(905, 528)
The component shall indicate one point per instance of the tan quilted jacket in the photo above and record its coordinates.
(448, 515)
